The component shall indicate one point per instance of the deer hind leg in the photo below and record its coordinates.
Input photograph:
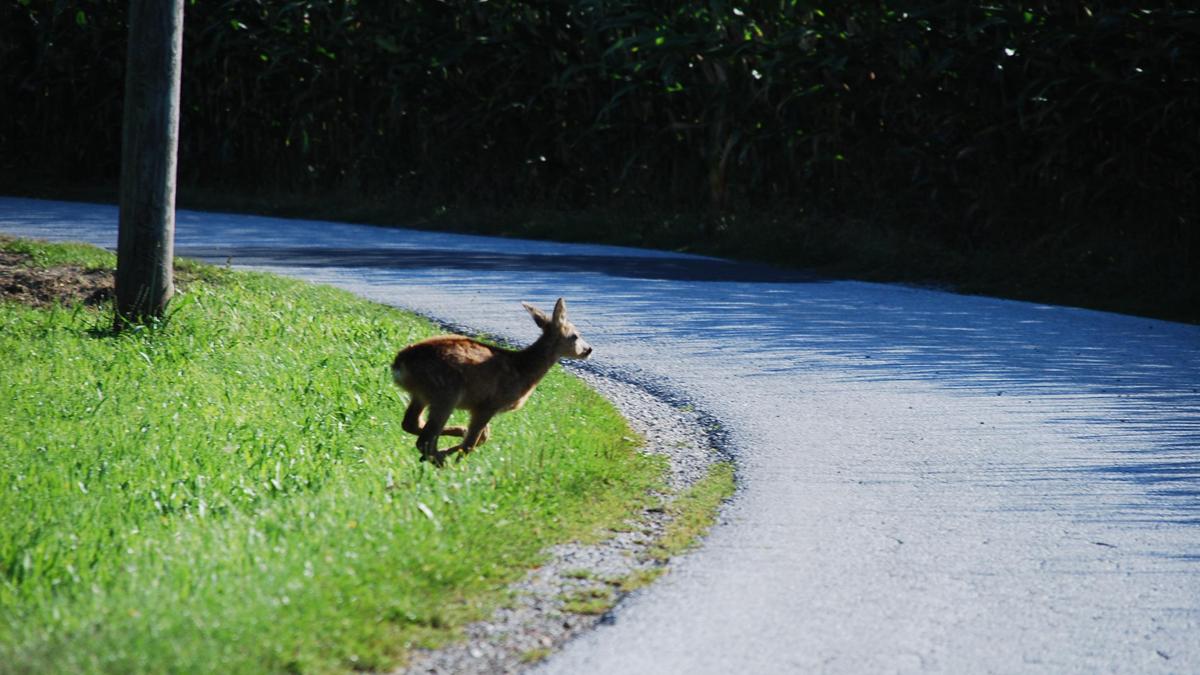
(483, 435)
(428, 438)
(412, 417)
(477, 434)
(412, 421)
(455, 431)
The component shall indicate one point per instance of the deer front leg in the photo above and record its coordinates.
(428, 439)
(477, 433)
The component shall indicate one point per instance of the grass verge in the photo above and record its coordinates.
(694, 511)
(691, 514)
(232, 492)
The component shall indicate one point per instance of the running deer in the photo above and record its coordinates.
(454, 372)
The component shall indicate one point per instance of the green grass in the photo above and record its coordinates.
(638, 579)
(591, 601)
(46, 255)
(535, 655)
(233, 492)
(694, 511)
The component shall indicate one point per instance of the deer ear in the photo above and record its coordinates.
(560, 312)
(539, 317)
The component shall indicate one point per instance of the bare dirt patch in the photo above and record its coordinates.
(65, 285)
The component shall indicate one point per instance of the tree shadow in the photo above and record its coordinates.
(662, 268)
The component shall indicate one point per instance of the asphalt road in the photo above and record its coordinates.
(929, 482)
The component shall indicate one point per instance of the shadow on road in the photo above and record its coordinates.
(628, 267)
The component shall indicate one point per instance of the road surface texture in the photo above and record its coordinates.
(929, 482)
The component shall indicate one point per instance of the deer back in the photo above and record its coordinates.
(459, 371)
(465, 373)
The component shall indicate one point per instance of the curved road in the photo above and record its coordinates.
(929, 482)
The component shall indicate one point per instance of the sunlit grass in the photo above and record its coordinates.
(694, 511)
(42, 255)
(233, 492)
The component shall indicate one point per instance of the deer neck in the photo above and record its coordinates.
(537, 359)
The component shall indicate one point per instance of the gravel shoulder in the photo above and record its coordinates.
(539, 619)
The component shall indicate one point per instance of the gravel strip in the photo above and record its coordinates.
(535, 622)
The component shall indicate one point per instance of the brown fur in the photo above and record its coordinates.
(452, 372)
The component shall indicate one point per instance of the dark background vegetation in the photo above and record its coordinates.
(1046, 150)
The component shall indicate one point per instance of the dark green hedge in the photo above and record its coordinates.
(963, 119)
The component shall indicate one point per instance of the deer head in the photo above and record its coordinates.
(561, 333)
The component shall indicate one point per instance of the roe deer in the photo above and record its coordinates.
(455, 372)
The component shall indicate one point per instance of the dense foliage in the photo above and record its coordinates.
(970, 121)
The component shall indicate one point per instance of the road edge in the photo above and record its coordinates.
(582, 585)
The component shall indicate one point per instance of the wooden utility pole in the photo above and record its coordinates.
(149, 145)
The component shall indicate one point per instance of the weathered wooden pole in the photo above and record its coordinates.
(149, 145)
